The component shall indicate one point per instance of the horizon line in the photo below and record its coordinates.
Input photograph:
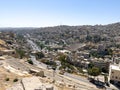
(55, 25)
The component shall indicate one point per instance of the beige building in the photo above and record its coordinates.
(101, 63)
(114, 73)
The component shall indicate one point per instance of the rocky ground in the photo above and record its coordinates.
(4, 75)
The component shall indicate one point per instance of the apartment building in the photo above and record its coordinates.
(114, 73)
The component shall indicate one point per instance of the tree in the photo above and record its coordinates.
(21, 53)
(90, 65)
(110, 51)
(62, 58)
(40, 55)
(105, 78)
(97, 38)
(49, 48)
(94, 71)
(42, 46)
(65, 64)
(89, 38)
(104, 70)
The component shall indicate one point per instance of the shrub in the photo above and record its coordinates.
(15, 80)
(7, 79)
(40, 55)
(21, 53)
(30, 62)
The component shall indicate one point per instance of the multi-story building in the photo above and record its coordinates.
(101, 63)
(114, 73)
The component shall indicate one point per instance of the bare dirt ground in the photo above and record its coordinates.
(4, 74)
(64, 88)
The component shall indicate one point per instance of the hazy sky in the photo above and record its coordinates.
(40, 13)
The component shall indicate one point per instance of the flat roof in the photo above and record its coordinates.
(115, 67)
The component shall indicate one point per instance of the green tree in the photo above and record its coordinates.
(21, 53)
(40, 55)
(104, 70)
(110, 52)
(90, 65)
(94, 71)
(62, 58)
(49, 48)
(65, 64)
(105, 78)
(42, 46)
(97, 38)
(89, 38)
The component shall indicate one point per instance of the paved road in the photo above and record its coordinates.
(68, 78)
(37, 63)
(33, 45)
(77, 77)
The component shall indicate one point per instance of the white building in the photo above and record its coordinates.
(114, 73)
(64, 51)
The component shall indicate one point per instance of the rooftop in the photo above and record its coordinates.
(115, 67)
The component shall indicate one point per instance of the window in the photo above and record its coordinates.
(112, 72)
(112, 76)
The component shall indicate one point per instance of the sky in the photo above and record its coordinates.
(42, 13)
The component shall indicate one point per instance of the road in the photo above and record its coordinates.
(33, 45)
(67, 78)
(77, 77)
(37, 63)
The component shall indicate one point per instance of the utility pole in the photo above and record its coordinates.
(54, 74)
